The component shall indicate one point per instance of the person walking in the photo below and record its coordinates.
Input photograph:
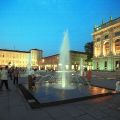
(0, 75)
(4, 78)
(15, 76)
(10, 72)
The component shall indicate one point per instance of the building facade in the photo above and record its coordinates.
(106, 38)
(20, 58)
(52, 62)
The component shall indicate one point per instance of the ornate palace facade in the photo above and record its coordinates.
(106, 40)
(52, 62)
(20, 58)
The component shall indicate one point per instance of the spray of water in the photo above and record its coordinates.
(64, 61)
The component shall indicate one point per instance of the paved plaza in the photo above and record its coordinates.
(13, 105)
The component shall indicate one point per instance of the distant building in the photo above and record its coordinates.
(52, 62)
(20, 58)
(106, 38)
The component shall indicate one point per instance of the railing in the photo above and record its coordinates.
(107, 24)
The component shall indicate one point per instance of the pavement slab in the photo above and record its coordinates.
(13, 106)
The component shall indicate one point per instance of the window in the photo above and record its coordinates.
(97, 66)
(107, 48)
(117, 42)
(117, 64)
(106, 36)
(117, 33)
(105, 64)
(98, 39)
(117, 46)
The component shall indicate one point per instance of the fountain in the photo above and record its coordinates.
(52, 90)
(64, 62)
(81, 67)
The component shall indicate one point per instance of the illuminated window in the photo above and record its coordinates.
(97, 64)
(117, 64)
(105, 64)
(97, 50)
(106, 36)
(117, 33)
(107, 48)
(98, 39)
(43, 60)
(117, 46)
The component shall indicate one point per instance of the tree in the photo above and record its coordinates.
(89, 51)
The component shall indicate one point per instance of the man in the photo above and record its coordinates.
(4, 78)
(31, 78)
(10, 72)
(15, 76)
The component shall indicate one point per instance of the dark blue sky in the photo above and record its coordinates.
(26, 24)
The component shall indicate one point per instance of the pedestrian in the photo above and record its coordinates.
(85, 76)
(118, 90)
(0, 75)
(117, 86)
(89, 76)
(4, 78)
(10, 71)
(15, 76)
(31, 78)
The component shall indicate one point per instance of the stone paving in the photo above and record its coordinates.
(13, 106)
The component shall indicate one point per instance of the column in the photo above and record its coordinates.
(111, 41)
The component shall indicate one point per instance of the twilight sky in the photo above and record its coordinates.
(26, 24)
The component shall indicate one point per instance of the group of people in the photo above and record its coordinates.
(13, 74)
(8, 73)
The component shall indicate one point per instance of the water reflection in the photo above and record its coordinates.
(97, 90)
(48, 93)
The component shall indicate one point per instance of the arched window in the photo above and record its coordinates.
(97, 50)
(107, 48)
(117, 46)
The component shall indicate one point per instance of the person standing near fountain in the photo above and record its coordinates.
(85, 76)
(117, 86)
(89, 76)
(31, 75)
